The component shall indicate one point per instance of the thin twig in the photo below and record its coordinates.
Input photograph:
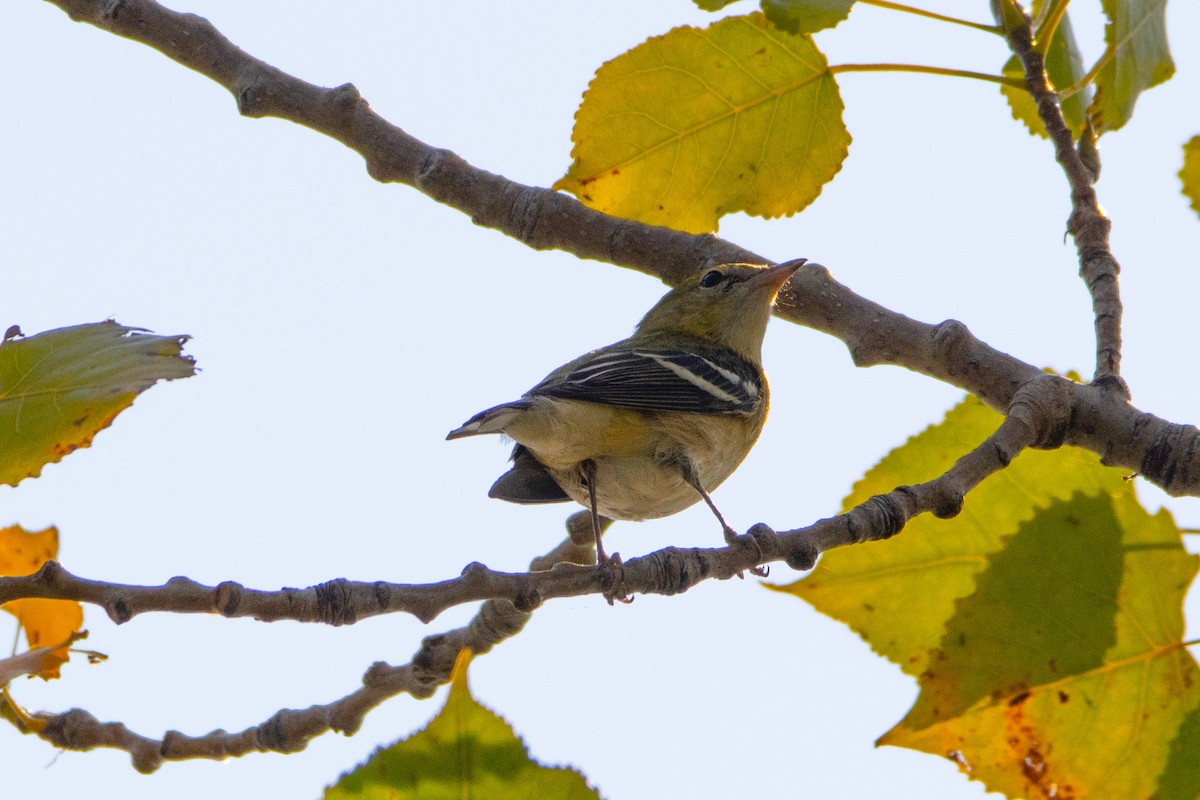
(1047, 23)
(290, 730)
(1087, 224)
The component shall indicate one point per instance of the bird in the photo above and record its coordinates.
(650, 425)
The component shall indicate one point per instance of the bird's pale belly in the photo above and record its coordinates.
(639, 456)
(634, 488)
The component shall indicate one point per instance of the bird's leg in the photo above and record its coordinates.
(731, 536)
(588, 469)
(610, 567)
(693, 480)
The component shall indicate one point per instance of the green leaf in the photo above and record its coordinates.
(714, 5)
(1182, 774)
(1139, 58)
(1063, 610)
(1064, 66)
(1190, 173)
(1065, 674)
(58, 388)
(806, 16)
(699, 123)
(465, 751)
(1044, 623)
(898, 594)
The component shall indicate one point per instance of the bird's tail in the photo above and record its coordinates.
(494, 420)
(527, 482)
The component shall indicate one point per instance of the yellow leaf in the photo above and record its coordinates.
(1044, 623)
(1189, 174)
(47, 623)
(698, 123)
(58, 388)
(1065, 674)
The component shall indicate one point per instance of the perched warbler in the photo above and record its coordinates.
(650, 425)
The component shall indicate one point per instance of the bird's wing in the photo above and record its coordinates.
(716, 381)
(492, 420)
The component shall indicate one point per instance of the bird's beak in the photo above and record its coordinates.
(775, 277)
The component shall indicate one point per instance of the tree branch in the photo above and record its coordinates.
(1035, 419)
(668, 571)
(290, 730)
(1165, 453)
(1087, 224)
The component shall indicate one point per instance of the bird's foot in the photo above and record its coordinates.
(759, 570)
(611, 572)
(731, 538)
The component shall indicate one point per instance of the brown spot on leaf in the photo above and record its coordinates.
(1027, 753)
(1033, 766)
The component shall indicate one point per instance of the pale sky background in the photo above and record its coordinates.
(342, 327)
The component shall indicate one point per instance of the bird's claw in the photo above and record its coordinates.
(759, 570)
(611, 571)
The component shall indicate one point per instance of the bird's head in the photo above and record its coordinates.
(727, 305)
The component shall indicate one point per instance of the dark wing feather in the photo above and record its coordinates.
(715, 381)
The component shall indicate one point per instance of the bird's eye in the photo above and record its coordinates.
(711, 278)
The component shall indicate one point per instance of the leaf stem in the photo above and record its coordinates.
(920, 12)
(1016, 83)
(1082, 83)
(31, 724)
(1047, 24)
